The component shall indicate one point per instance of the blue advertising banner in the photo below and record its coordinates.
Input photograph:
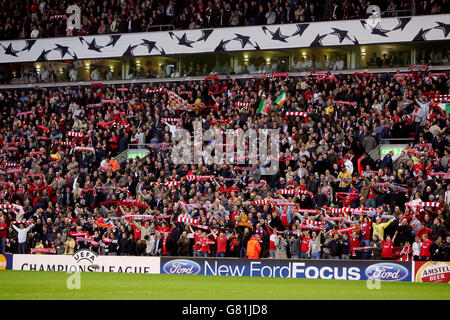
(309, 269)
(6, 261)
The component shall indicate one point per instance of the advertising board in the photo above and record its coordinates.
(310, 269)
(86, 261)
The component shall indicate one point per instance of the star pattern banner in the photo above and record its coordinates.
(269, 37)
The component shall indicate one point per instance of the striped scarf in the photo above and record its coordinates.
(424, 204)
(77, 134)
(153, 90)
(340, 102)
(295, 113)
(171, 120)
(348, 229)
(444, 175)
(188, 220)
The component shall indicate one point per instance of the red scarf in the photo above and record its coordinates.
(164, 251)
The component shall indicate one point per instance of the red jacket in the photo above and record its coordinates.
(221, 244)
(425, 249)
(354, 244)
(305, 244)
(422, 231)
(137, 232)
(365, 230)
(387, 249)
(3, 230)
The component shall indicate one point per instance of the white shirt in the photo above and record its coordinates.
(349, 166)
(447, 196)
(22, 233)
(339, 65)
(34, 34)
(271, 17)
(73, 74)
(425, 108)
(95, 75)
(172, 128)
(416, 248)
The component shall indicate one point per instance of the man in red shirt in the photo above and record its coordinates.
(305, 245)
(388, 247)
(355, 243)
(422, 230)
(424, 254)
(197, 246)
(204, 243)
(366, 229)
(164, 245)
(221, 244)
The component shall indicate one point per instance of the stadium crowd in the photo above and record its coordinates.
(67, 185)
(44, 18)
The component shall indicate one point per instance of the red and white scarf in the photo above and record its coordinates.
(153, 90)
(295, 113)
(188, 220)
(76, 134)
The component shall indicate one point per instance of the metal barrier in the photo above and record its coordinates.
(161, 26)
(396, 140)
(395, 13)
(140, 145)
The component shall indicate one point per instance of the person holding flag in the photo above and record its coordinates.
(281, 99)
(265, 105)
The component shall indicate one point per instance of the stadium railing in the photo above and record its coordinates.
(201, 78)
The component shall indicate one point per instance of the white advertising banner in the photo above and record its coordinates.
(270, 37)
(86, 261)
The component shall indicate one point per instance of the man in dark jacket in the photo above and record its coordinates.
(131, 248)
(123, 245)
(123, 143)
(141, 247)
(446, 256)
(85, 159)
(320, 198)
(112, 248)
(438, 229)
(335, 246)
(377, 247)
(387, 161)
(437, 250)
(183, 244)
(294, 246)
(404, 233)
(243, 240)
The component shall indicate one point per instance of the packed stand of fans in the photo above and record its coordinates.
(66, 184)
(45, 18)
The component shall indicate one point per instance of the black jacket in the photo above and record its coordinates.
(335, 247)
(346, 246)
(437, 252)
(123, 246)
(131, 249)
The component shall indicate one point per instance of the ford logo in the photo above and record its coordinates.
(181, 266)
(386, 272)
